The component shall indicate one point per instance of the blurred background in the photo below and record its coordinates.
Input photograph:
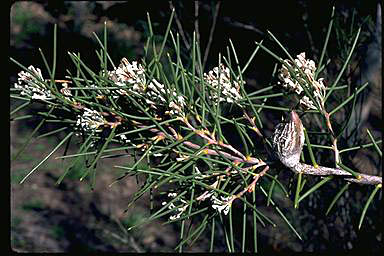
(73, 218)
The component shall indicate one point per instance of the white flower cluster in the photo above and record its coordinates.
(132, 76)
(308, 67)
(223, 89)
(156, 93)
(65, 90)
(179, 209)
(90, 121)
(222, 205)
(32, 86)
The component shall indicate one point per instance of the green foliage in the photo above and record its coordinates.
(191, 133)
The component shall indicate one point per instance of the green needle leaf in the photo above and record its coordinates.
(212, 235)
(338, 195)
(270, 192)
(370, 199)
(298, 189)
(315, 187)
(344, 66)
(31, 136)
(46, 158)
(378, 150)
(99, 153)
(282, 214)
(325, 43)
(357, 176)
(311, 155)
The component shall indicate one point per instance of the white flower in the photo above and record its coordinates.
(132, 77)
(288, 82)
(175, 108)
(177, 105)
(182, 158)
(123, 138)
(180, 212)
(308, 67)
(319, 87)
(32, 85)
(172, 194)
(306, 102)
(205, 195)
(129, 74)
(171, 206)
(178, 208)
(65, 90)
(181, 100)
(222, 205)
(157, 93)
(156, 86)
(221, 84)
(90, 120)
